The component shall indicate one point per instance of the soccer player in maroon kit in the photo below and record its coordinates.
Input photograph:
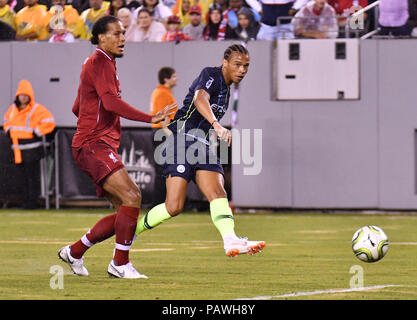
(99, 107)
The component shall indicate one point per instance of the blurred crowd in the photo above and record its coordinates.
(186, 20)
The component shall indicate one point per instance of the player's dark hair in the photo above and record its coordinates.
(235, 48)
(165, 73)
(100, 27)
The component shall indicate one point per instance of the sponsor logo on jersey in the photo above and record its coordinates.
(209, 83)
(113, 157)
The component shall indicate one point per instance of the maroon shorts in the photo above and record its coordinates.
(98, 160)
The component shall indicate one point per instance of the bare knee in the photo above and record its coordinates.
(132, 198)
(174, 207)
(216, 194)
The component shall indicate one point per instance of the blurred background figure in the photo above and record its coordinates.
(61, 34)
(316, 20)
(115, 6)
(182, 10)
(32, 22)
(195, 28)
(147, 29)
(271, 11)
(393, 18)
(98, 9)
(26, 122)
(247, 28)
(174, 32)
(158, 11)
(126, 17)
(217, 27)
(231, 14)
(7, 15)
(61, 10)
(161, 97)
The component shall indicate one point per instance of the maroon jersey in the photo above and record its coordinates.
(99, 106)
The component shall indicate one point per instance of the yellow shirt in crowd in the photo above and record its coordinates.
(75, 24)
(89, 16)
(7, 15)
(33, 19)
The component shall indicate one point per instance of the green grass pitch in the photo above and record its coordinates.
(308, 256)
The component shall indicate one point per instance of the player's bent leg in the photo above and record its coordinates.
(121, 186)
(175, 197)
(211, 185)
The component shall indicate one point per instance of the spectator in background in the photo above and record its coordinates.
(79, 5)
(98, 9)
(174, 32)
(231, 13)
(75, 24)
(169, 3)
(223, 3)
(204, 5)
(17, 5)
(61, 34)
(247, 28)
(26, 122)
(316, 20)
(133, 4)
(115, 6)
(157, 9)
(125, 16)
(393, 18)
(162, 95)
(217, 27)
(347, 8)
(343, 7)
(182, 11)
(195, 28)
(147, 28)
(271, 11)
(32, 22)
(7, 15)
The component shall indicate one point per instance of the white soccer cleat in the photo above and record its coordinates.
(76, 265)
(242, 245)
(126, 271)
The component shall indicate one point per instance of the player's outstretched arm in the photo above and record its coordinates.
(115, 104)
(202, 103)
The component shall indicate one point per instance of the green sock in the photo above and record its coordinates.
(153, 218)
(222, 216)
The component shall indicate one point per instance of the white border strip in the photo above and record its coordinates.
(310, 293)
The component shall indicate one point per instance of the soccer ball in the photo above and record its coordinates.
(370, 243)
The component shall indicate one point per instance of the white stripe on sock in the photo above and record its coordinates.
(122, 247)
(86, 242)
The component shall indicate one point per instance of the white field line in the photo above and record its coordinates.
(62, 242)
(404, 243)
(150, 250)
(331, 291)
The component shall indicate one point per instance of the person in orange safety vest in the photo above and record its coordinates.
(26, 122)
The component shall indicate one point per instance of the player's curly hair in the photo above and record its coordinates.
(100, 27)
(235, 48)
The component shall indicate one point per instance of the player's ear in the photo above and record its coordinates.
(101, 37)
(225, 63)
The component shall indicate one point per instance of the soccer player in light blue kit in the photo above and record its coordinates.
(205, 104)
